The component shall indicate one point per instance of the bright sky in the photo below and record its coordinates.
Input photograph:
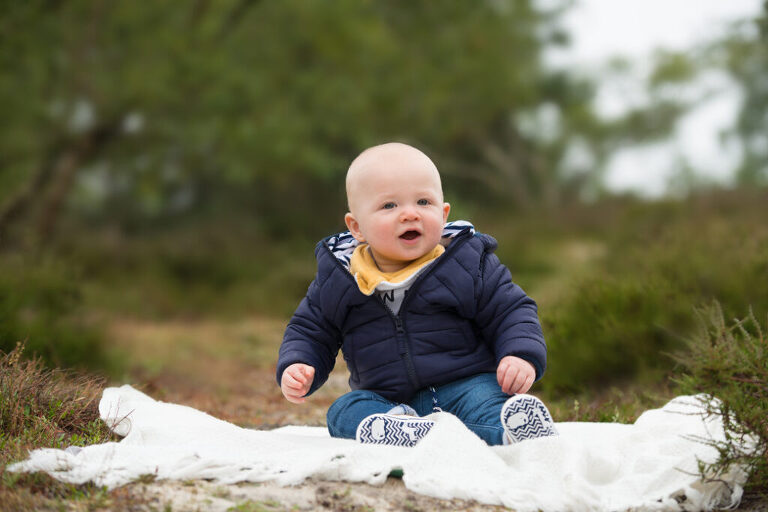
(634, 28)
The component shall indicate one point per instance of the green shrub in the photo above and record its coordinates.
(636, 305)
(612, 330)
(730, 362)
(39, 302)
(202, 269)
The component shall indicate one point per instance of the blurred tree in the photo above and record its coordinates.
(132, 112)
(742, 57)
(139, 114)
(746, 57)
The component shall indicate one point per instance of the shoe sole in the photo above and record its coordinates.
(392, 430)
(526, 417)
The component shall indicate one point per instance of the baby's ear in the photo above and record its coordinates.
(446, 210)
(354, 227)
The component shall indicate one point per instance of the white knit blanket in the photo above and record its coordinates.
(649, 465)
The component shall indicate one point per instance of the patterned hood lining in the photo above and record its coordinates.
(342, 245)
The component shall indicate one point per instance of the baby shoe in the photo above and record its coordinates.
(526, 417)
(393, 429)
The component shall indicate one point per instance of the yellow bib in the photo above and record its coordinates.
(368, 276)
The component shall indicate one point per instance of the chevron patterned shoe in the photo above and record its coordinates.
(393, 430)
(526, 417)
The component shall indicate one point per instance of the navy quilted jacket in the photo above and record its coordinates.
(459, 318)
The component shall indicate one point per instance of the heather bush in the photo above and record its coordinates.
(729, 361)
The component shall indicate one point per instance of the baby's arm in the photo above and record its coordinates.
(296, 381)
(311, 341)
(515, 375)
(509, 318)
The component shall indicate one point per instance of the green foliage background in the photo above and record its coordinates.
(181, 159)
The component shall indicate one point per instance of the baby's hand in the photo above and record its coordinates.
(515, 375)
(296, 381)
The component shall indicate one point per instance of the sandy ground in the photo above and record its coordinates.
(312, 495)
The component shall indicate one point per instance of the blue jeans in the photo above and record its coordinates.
(475, 400)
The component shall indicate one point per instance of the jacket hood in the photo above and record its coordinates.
(342, 245)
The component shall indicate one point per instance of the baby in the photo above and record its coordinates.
(426, 316)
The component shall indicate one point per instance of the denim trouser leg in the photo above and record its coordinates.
(346, 413)
(475, 400)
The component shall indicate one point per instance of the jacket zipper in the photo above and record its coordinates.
(403, 347)
(404, 343)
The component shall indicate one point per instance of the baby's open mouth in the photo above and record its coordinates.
(410, 235)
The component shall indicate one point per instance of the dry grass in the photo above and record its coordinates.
(50, 403)
(41, 407)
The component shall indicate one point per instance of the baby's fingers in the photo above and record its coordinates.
(511, 375)
(527, 384)
(291, 382)
(521, 384)
(501, 372)
(291, 396)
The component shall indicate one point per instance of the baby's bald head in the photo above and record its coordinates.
(383, 158)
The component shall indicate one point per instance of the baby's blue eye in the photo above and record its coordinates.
(388, 206)
(422, 202)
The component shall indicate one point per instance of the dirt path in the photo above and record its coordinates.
(227, 370)
(223, 368)
(312, 495)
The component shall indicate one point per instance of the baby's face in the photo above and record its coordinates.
(397, 208)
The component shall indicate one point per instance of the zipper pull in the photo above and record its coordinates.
(400, 337)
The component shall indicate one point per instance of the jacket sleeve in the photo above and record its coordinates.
(309, 339)
(507, 317)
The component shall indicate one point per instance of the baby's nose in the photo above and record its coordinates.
(409, 213)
